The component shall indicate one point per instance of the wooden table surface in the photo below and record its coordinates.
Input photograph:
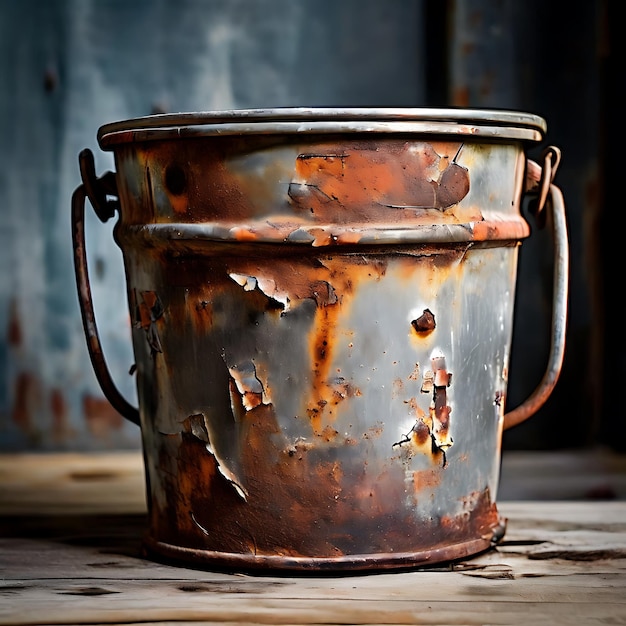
(70, 553)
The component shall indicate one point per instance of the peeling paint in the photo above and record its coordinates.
(428, 382)
(266, 286)
(250, 389)
(197, 426)
(147, 312)
(436, 424)
(440, 411)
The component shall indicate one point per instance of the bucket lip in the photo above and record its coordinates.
(495, 123)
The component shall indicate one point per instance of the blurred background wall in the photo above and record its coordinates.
(69, 66)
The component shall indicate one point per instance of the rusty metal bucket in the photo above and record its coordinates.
(321, 305)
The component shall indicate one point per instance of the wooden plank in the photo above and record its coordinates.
(77, 562)
(92, 571)
(46, 484)
(493, 594)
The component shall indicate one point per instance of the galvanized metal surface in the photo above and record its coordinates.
(321, 327)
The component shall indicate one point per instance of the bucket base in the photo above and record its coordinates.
(209, 559)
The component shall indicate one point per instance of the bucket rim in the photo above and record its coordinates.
(494, 123)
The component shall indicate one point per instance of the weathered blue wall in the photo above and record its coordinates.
(69, 66)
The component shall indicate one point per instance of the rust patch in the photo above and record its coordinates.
(343, 389)
(365, 178)
(478, 509)
(511, 230)
(175, 182)
(299, 447)
(426, 479)
(415, 374)
(356, 181)
(421, 431)
(303, 503)
(329, 433)
(397, 387)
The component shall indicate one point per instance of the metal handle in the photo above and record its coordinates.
(533, 403)
(82, 280)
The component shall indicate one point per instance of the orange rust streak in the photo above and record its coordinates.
(485, 231)
(343, 276)
(320, 347)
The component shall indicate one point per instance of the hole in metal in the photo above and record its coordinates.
(175, 179)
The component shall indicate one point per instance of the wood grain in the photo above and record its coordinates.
(71, 553)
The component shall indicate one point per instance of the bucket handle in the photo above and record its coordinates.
(550, 196)
(97, 190)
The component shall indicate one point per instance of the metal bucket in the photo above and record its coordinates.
(322, 305)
